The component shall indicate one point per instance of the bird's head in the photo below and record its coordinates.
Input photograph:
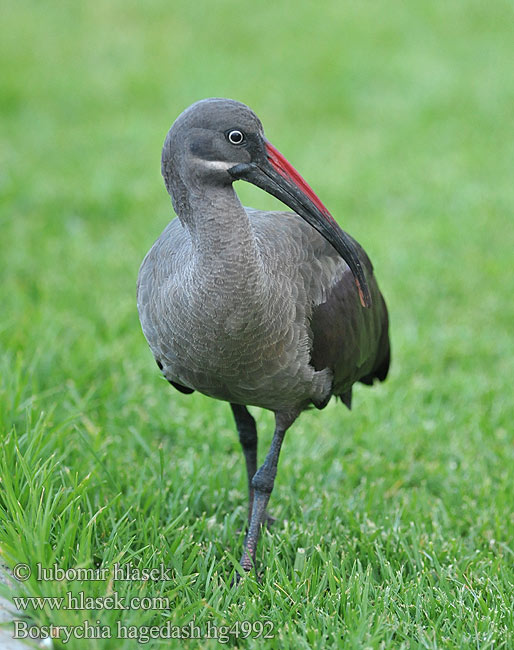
(218, 141)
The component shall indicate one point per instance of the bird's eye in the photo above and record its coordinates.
(235, 136)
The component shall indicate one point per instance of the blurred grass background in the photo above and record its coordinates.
(401, 117)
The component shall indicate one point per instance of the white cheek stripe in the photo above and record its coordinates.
(217, 164)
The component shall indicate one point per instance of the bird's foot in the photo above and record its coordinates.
(247, 564)
(236, 580)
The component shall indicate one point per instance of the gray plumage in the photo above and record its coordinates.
(255, 308)
(241, 329)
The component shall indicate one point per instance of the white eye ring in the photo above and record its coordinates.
(236, 137)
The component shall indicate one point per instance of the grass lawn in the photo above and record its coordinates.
(396, 520)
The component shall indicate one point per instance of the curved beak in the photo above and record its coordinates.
(275, 175)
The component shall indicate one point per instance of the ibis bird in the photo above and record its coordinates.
(279, 310)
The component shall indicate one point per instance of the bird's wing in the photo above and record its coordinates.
(347, 338)
(350, 340)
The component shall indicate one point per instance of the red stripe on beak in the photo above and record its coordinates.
(285, 169)
(289, 173)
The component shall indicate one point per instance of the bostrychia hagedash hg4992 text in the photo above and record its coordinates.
(255, 308)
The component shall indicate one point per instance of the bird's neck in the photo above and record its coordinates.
(223, 240)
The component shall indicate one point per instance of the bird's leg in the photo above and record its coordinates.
(248, 438)
(262, 484)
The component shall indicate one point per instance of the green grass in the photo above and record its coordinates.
(396, 519)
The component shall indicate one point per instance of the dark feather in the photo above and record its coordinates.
(179, 387)
(350, 340)
(183, 389)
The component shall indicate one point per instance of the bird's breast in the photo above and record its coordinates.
(238, 341)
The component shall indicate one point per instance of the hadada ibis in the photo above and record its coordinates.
(279, 310)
